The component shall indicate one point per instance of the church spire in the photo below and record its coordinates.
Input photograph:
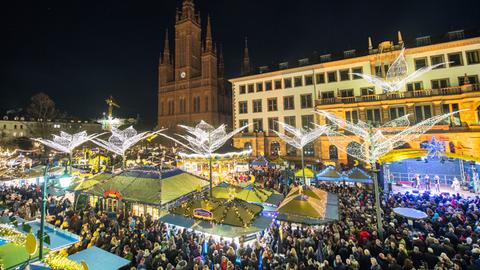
(208, 39)
(166, 50)
(246, 59)
(399, 37)
(188, 9)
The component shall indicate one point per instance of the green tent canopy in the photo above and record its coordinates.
(249, 193)
(146, 186)
(310, 191)
(223, 211)
(309, 205)
(308, 173)
(303, 205)
(253, 194)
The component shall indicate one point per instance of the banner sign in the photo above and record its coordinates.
(202, 213)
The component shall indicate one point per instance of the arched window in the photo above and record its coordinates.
(291, 151)
(247, 146)
(274, 148)
(452, 147)
(333, 152)
(352, 147)
(309, 150)
(424, 144)
(478, 114)
(402, 145)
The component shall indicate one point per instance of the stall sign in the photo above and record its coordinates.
(202, 213)
(112, 194)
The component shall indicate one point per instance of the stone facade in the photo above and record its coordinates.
(191, 85)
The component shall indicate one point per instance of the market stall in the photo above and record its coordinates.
(309, 176)
(310, 206)
(141, 190)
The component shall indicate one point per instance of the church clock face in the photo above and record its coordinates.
(183, 74)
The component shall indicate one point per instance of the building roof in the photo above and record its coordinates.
(355, 56)
(146, 186)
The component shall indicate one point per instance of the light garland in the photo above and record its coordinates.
(397, 76)
(216, 155)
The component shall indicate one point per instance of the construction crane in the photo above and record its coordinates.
(111, 103)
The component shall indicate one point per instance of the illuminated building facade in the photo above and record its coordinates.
(291, 94)
(191, 85)
(18, 127)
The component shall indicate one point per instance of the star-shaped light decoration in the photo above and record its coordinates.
(66, 142)
(397, 74)
(300, 138)
(436, 148)
(377, 141)
(203, 140)
(121, 140)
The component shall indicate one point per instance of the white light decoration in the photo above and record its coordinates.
(300, 138)
(397, 76)
(121, 140)
(203, 140)
(66, 142)
(377, 141)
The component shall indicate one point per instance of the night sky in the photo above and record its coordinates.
(80, 52)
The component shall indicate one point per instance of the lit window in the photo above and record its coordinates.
(272, 104)
(242, 107)
(455, 59)
(473, 57)
(257, 105)
(332, 76)
(288, 103)
(420, 63)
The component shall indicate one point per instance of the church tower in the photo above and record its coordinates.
(189, 86)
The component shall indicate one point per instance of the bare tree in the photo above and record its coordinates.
(42, 109)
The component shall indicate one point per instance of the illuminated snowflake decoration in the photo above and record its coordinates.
(300, 137)
(435, 148)
(377, 141)
(67, 142)
(397, 77)
(121, 140)
(204, 139)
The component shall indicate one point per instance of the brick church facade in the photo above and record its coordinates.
(191, 84)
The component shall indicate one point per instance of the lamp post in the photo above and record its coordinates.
(44, 205)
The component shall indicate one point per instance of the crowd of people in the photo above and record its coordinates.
(448, 239)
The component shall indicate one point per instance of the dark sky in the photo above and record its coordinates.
(79, 52)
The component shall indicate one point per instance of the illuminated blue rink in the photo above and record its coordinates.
(58, 238)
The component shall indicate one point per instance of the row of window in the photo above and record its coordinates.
(257, 123)
(413, 86)
(372, 116)
(298, 81)
(183, 106)
(454, 59)
(14, 126)
(306, 101)
(421, 112)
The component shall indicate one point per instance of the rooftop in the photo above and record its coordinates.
(384, 46)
